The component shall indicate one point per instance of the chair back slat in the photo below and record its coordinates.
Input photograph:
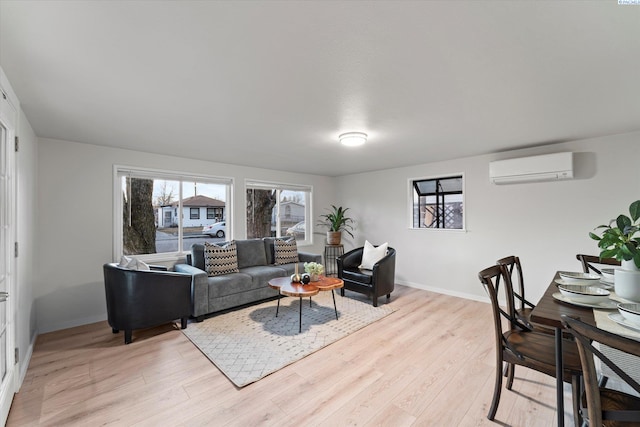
(588, 262)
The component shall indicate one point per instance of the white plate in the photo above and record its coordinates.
(605, 305)
(606, 282)
(620, 320)
(578, 276)
(577, 282)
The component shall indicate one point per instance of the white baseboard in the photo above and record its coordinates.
(24, 362)
(444, 291)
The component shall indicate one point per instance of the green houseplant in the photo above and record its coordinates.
(336, 221)
(618, 238)
(618, 241)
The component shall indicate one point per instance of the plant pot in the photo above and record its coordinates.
(334, 237)
(627, 284)
(314, 277)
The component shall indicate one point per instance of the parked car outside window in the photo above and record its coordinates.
(216, 229)
(297, 230)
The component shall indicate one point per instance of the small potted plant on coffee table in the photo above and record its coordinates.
(314, 269)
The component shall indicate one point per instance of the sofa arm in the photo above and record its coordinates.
(309, 257)
(199, 289)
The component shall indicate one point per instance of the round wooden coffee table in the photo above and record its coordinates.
(288, 288)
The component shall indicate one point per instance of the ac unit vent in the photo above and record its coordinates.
(547, 167)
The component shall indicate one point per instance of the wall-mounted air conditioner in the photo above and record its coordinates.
(548, 167)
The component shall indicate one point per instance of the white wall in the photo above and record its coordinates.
(27, 173)
(75, 221)
(545, 224)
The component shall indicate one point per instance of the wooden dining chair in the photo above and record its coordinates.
(517, 344)
(514, 269)
(588, 262)
(605, 406)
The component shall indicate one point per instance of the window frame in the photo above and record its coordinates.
(194, 213)
(260, 184)
(410, 202)
(150, 173)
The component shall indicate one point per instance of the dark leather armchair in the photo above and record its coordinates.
(142, 299)
(375, 283)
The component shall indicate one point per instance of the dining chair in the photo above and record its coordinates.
(605, 406)
(588, 262)
(518, 344)
(514, 269)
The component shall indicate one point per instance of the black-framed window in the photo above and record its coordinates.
(194, 213)
(438, 203)
(211, 213)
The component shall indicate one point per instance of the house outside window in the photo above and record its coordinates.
(157, 214)
(211, 213)
(279, 210)
(437, 203)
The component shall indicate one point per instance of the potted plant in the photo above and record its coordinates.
(336, 222)
(314, 269)
(618, 240)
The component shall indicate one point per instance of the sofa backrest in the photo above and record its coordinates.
(251, 252)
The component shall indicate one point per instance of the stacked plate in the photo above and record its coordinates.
(584, 294)
(607, 275)
(628, 315)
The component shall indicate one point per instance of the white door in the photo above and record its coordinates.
(7, 239)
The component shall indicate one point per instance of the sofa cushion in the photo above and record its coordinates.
(286, 251)
(371, 254)
(228, 284)
(261, 274)
(251, 252)
(360, 276)
(220, 260)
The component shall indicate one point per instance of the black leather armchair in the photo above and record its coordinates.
(142, 299)
(375, 283)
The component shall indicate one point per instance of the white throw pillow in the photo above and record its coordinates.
(143, 266)
(371, 254)
(124, 261)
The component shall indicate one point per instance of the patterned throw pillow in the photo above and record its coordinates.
(220, 259)
(286, 251)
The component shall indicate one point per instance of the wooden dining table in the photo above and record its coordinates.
(548, 312)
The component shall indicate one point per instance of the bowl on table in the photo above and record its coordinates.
(585, 294)
(607, 274)
(574, 276)
(630, 312)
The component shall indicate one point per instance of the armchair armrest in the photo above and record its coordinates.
(199, 288)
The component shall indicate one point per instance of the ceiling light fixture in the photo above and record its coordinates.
(352, 139)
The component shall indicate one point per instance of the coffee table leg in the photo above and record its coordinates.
(309, 301)
(300, 328)
(333, 294)
(278, 307)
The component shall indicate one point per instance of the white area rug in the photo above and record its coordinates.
(250, 343)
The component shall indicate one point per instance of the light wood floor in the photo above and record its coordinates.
(431, 363)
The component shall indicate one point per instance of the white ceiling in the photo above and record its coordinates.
(273, 83)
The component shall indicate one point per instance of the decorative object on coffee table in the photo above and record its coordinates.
(314, 269)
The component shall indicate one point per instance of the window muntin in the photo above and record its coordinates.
(159, 214)
(438, 203)
(278, 210)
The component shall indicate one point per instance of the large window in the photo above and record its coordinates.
(279, 210)
(159, 215)
(438, 202)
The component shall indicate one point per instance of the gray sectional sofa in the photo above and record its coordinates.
(256, 265)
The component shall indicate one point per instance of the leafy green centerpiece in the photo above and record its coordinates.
(617, 240)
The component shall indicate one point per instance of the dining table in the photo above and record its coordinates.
(548, 312)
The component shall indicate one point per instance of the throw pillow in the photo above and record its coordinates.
(371, 255)
(141, 265)
(124, 261)
(220, 259)
(286, 251)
